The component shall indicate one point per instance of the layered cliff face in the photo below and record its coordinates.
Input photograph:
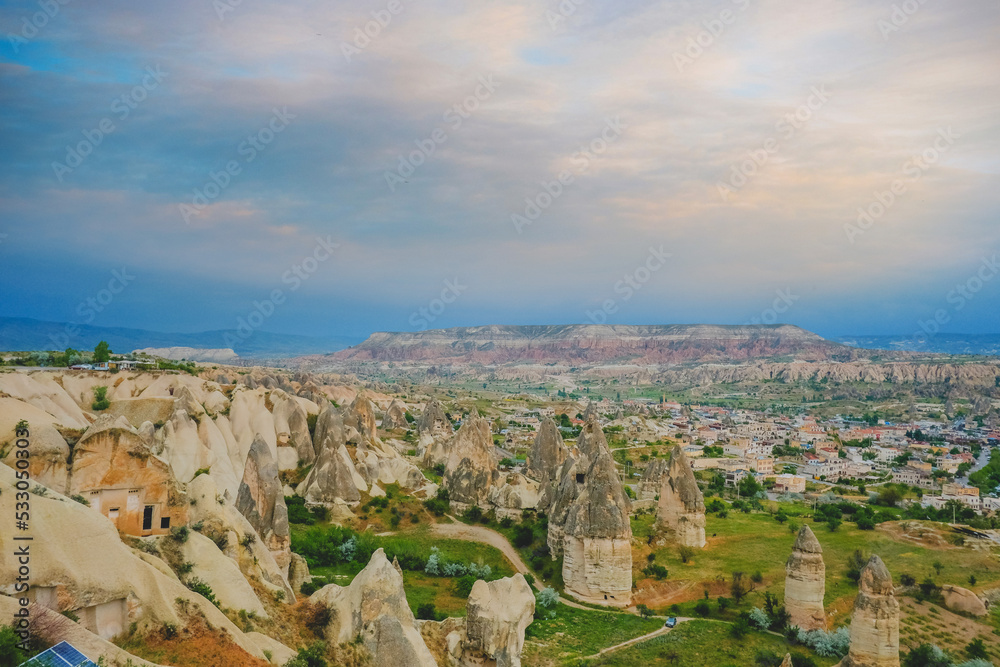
(548, 452)
(805, 582)
(681, 508)
(471, 469)
(875, 623)
(583, 343)
(374, 608)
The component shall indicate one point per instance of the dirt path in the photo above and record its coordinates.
(482, 535)
(630, 642)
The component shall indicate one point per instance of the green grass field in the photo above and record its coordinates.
(574, 633)
(757, 543)
(701, 643)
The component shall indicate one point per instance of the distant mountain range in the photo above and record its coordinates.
(23, 334)
(581, 344)
(987, 344)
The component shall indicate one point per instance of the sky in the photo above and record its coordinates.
(337, 168)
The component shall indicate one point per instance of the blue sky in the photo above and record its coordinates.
(653, 113)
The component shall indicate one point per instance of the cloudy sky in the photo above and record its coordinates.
(714, 158)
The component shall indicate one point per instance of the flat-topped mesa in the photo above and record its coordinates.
(395, 416)
(805, 582)
(262, 501)
(597, 535)
(652, 480)
(471, 469)
(373, 608)
(547, 453)
(681, 507)
(361, 416)
(875, 623)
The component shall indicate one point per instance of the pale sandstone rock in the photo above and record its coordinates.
(395, 416)
(220, 517)
(516, 493)
(548, 452)
(333, 478)
(280, 654)
(291, 426)
(41, 391)
(471, 469)
(48, 464)
(652, 480)
(374, 607)
(79, 563)
(261, 501)
(361, 416)
(497, 614)
(591, 513)
(805, 582)
(875, 623)
(221, 573)
(961, 599)
(787, 662)
(681, 508)
(298, 572)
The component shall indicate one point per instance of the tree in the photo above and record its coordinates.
(644, 611)
(927, 655)
(749, 487)
(976, 650)
(102, 352)
(738, 587)
(833, 523)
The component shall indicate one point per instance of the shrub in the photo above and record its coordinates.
(506, 522)
(856, 561)
(462, 586)
(201, 588)
(180, 533)
(185, 567)
(433, 562)
(757, 577)
(977, 649)
(313, 656)
(827, 644)
(101, 401)
(80, 499)
(702, 608)
(740, 627)
(440, 504)
(927, 655)
(427, 612)
(685, 552)
(474, 514)
(760, 618)
(547, 597)
(655, 571)
(349, 549)
(524, 536)
(316, 617)
(644, 611)
(310, 587)
(724, 603)
(907, 579)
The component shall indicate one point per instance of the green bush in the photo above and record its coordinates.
(201, 588)
(312, 656)
(101, 401)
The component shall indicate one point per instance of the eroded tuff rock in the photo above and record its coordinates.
(374, 608)
(652, 480)
(547, 453)
(434, 421)
(291, 426)
(261, 500)
(961, 599)
(787, 662)
(875, 623)
(329, 426)
(395, 416)
(471, 469)
(805, 582)
(361, 416)
(333, 478)
(514, 494)
(591, 439)
(681, 507)
(589, 525)
(496, 616)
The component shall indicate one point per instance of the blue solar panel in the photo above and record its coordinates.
(60, 655)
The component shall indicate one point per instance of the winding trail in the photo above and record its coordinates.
(482, 535)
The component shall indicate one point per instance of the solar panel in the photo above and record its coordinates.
(60, 655)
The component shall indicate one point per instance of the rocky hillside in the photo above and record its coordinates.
(598, 344)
